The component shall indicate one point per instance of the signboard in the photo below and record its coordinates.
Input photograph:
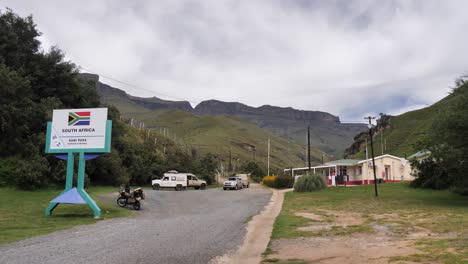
(79, 130)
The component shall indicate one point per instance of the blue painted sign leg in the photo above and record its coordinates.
(81, 191)
(68, 183)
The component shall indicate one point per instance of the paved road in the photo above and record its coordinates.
(173, 227)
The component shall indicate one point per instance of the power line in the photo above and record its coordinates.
(190, 101)
(135, 86)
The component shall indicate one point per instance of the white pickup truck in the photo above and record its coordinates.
(233, 182)
(178, 181)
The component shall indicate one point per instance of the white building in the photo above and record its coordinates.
(388, 168)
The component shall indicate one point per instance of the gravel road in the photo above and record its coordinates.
(172, 227)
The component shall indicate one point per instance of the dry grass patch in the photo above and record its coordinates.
(349, 225)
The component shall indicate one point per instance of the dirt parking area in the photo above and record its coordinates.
(378, 245)
(403, 225)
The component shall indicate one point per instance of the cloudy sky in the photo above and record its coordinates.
(349, 58)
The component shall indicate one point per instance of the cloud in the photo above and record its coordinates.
(343, 57)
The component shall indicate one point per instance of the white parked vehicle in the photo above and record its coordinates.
(244, 179)
(233, 182)
(178, 181)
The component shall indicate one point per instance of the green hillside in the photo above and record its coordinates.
(221, 134)
(402, 133)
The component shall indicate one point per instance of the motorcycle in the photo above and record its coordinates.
(130, 198)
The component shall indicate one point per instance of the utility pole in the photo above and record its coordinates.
(230, 161)
(308, 146)
(381, 142)
(289, 150)
(372, 153)
(268, 157)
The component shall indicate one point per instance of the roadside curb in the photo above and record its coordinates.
(259, 231)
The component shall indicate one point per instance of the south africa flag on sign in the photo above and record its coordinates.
(79, 118)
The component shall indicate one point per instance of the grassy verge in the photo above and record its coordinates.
(22, 213)
(404, 209)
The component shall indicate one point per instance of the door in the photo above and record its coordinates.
(193, 181)
(165, 182)
(387, 173)
(189, 180)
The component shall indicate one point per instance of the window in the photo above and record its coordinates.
(173, 178)
(189, 177)
(342, 171)
(166, 179)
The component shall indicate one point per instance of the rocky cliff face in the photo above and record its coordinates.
(214, 107)
(106, 92)
(327, 132)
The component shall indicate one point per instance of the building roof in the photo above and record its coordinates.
(343, 162)
(384, 156)
(420, 154)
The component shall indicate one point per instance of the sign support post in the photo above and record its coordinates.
(88, 142)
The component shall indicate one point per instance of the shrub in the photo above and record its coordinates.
(8, 171)
(32, 174)
(278, 182)
(310, 183)
(269, 181)
(283, 182)
(430, 174)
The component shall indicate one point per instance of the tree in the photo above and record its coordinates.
(448, 143)
(255, 171)
(33, 82)
(206, 168)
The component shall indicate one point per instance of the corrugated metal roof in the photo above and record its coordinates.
(419, 154)
(343, 162)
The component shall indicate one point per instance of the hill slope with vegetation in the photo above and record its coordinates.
(228, 137)
(403, 135)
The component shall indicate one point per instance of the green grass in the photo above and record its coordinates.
(438, 211)
(438, 251)
(22, 213)
(288, 261)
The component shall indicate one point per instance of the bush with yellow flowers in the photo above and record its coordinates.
(269, 181)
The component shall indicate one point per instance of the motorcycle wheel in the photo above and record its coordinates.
(121, 201)
(136, 205)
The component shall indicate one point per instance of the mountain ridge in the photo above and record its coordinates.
(327, 132)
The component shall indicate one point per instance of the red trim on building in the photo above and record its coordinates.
(329, 182)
